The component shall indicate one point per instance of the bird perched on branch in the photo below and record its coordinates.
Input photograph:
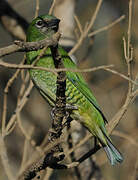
(77, 92)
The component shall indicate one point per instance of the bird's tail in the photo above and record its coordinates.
(112, 153)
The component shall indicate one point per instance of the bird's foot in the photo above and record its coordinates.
(71, 107)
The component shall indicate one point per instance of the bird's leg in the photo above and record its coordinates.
(67, 117)
(70, 107)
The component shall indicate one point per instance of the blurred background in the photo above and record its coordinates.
(104, 48)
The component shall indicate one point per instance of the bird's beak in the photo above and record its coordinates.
(53, 23)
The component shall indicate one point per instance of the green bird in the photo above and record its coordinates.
(78, 93)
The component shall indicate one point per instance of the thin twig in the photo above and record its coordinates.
(78, 24)
(25, 151)
(37, 8)
(129, 48)
(6, 90)
(85, 32)
(128, 53)
(118, 116)
(121, 75)
(104, 67)
(24, 99)
(105, 28)
(19, 108)
(129, 138)
(52, 7)
(27, 136)
(54, 70)
(5, 160)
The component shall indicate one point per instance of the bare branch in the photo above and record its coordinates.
(19, 108)
(6, 90)
(126, 136)
(52, 7)
(37, 8)
(128, 56)
(4, 159)
(105, 28)
(78, 24)
(29, 46)
(86, 30)
(103, 67)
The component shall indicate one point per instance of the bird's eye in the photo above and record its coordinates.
(39, 23)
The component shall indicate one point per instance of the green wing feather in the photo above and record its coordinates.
(78, 80)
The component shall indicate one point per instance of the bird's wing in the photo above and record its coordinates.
(78, 80)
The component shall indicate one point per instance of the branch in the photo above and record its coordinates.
(29, 46)
(105, 28)
(102, 67)
(87, 29)
(52, 7)
(128, 52)
(37, 8)
(6, 90)
(55, 155)
(5, 160)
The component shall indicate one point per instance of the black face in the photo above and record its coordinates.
(52, 24)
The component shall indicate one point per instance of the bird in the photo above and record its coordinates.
(78, 93)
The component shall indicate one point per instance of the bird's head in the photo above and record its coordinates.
(41, 27)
